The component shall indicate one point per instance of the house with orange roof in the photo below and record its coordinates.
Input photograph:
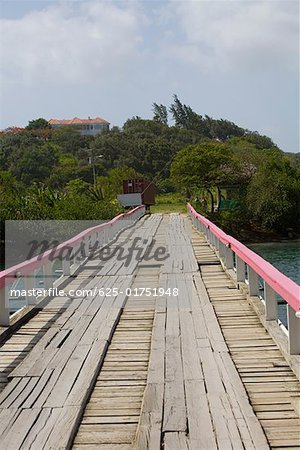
(87, 127)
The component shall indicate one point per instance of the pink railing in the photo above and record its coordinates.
(103, 234)
(237, 256)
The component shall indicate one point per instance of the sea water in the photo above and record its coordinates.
(285, 256)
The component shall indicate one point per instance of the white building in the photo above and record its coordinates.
(87, 127)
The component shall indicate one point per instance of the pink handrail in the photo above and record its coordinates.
(280, 283)
(26, 267)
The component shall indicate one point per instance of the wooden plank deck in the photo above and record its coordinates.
(272, 387)
(189, 371)
(15, 348)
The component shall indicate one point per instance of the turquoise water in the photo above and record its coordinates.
(285, 256)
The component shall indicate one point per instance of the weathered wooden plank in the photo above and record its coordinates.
(190, 360)
(105, 437)
(24, 394)
(186, 331)
(23, 368)
(7, 418)
(67, 377)
(149, 431)
(103, 447)
(237, 393)
(109, 419)
(201, 432)
(175, 441)
(9, 389)
(19, 428)
(38, 390)
(256, 356)
(66, 425)
(212, 325)
(40, 430)
(87, 374)
(174, 397)
(108, 411)
(13, 395)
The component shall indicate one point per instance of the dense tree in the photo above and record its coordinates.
(206, 165)
(112, 185)
(46, 172)
(110, 145)
(35, 163)
(258, 140)
(274, 195)
(160, 113)
(249, 157)
(185, 117)
(38, 124)
(70, 140)
(224, 129)
(294, 159)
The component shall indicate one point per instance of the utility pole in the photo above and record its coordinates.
(92, 160)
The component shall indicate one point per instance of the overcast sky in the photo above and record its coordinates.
(238, 60)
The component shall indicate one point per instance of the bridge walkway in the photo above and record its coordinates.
(272, 387)
(151, 371)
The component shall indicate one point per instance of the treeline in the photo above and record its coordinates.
(260, 188)
(49, 174)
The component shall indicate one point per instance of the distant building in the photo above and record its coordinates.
(13, 130)
(87, 127)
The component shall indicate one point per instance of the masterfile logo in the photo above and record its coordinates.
(28, 239)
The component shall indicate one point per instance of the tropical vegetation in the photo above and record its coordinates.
(236, 176)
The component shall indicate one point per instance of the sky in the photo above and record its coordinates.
(236, 60)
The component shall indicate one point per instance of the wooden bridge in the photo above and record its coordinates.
(168, 346)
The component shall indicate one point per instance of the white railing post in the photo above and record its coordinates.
(100, 239)
(240, 269)
(108, 234)
(222, 250)
(253, 282)
(228, 258)
(74, 255)
(105, 235)
(84, 250)
(29, 286)
(93, 238)
(216, 242)
(212, 239)
(208, 235)
(48, 275)
(271, 307)
(112, 230)
(86, 241)
(66, 264)
(294, 331)
(4, 311)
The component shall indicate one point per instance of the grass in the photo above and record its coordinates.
(168, 203)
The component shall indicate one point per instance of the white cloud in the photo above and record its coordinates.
(113, 58)
(224, 35)
(77, 42)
